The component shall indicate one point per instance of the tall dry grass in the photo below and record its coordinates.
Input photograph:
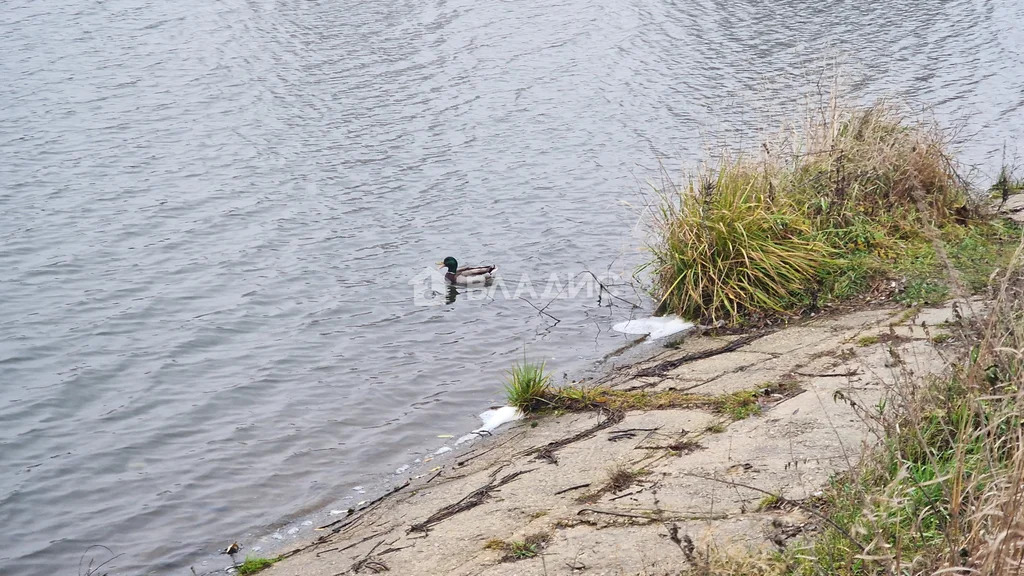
(806, 220)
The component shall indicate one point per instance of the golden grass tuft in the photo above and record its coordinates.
(814, 217)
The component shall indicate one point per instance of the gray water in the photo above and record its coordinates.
(210, 214)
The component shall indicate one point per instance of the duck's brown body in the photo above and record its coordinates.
(466, 274)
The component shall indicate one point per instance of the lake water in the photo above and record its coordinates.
(213, 217)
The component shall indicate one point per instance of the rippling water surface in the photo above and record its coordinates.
(210, 213)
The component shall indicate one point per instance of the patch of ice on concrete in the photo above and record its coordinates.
(401, 469)
(466, 438)
(336, 512)
(442, 450)
(492, 419)
(293, 531)
(655, 326)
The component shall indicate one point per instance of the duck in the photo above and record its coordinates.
(466, 274)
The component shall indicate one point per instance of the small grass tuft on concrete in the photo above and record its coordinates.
(528, 547)
(253, 565)
(527, 385)
(868, 340)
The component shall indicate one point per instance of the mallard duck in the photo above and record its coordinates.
(466, 274)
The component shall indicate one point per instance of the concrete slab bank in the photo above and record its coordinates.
(579, 494)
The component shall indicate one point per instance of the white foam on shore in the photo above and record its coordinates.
(655, 326)
(492, 419)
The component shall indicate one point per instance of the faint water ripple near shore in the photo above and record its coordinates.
(209, 214)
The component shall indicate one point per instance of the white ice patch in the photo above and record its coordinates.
(442, 450)
(655, 326)
(401, 469)
(492, 419)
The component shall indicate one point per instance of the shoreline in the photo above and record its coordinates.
(285, 535)
(409, 529)
(724, 445)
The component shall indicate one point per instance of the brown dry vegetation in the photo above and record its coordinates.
(858, 201)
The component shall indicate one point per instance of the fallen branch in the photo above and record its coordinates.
(622, 514)
(663, 367)
(634, 430)
(829, 374)
(547, 452)
(352, 545)
(466, 460)
(471, 500)
(626, 494)
(350, 518)
(541, 310)
(657, 515)
(571, 488)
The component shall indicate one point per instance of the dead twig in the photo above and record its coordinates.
(464, 461)
(610, 513)
(471, 500)
(664, 367)
(571, 488)
(547, 452)
(541, 310)
(349, 519)
(829, 374)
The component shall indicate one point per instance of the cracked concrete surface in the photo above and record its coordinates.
(699, 477)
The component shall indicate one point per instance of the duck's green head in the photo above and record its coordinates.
(451, 264)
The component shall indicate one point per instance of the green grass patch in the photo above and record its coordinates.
(734, 405)
(716, 428)
(770, 502)
(253, 565)
(527, 385)
(871, 340)
(977, 252)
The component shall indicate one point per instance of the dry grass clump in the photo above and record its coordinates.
(528, 547)
(814, 217)
(731, 244)
(875, 162)
(621, 477)
(735, 405)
